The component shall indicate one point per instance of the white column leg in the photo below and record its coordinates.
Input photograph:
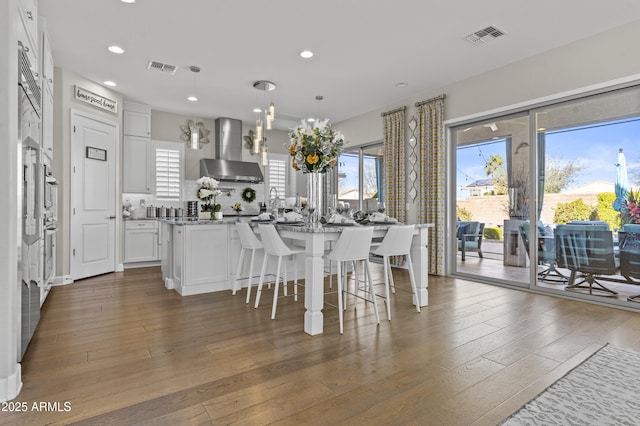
(314, 288)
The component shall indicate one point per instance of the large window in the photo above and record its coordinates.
(360, 177)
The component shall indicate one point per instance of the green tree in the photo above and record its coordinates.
(573, 210)
(559, 175)
(496, 169)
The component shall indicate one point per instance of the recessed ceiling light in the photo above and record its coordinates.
(128, 1)
(401, 84)
(116, 49)
(257, 110)
(192, 99)
(306, 54)
(110, 83)
(311, 120)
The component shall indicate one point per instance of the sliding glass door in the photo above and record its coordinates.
(492, 199)
(548, 198)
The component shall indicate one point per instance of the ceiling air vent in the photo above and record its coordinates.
(159, 66)
(484, 35)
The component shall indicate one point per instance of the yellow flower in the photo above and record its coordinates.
(313, 158)
(292, 149)
(294, 165)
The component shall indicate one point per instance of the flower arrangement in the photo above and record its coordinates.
(315, 148)
(237, 207)
(630, 211)
(207, 193)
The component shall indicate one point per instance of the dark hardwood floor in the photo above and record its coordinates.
(121, 349)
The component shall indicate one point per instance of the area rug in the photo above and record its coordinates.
(602, 390)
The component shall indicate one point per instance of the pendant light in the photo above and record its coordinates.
(269, 117)
(194, 141)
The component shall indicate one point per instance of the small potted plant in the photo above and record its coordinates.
(237, 207)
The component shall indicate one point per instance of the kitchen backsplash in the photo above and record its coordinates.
(135, 204)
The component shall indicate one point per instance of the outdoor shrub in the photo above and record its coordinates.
(493, 233)
(463, 214)
(605, 209)
(573, 210)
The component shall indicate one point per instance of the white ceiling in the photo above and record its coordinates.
(362, 48)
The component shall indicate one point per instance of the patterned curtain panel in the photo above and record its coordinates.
(394, 166)
(431, 196)
(394, 163)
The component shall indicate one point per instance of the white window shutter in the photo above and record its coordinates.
(277, 176)
(167, 174)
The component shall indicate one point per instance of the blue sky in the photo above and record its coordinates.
(593, 148)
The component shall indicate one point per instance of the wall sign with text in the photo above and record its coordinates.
(95, 100)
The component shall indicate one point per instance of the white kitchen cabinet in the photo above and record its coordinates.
(137, 167)
(28, 32)
(47, 92)
(200, 258)
(141, 241)
(137, 120)
(137, 155)
(47, 57)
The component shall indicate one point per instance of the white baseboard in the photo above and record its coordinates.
(62, 280)
(141, 264)
(11, 386)
(120, 267)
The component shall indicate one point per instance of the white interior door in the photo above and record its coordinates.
(93, 196)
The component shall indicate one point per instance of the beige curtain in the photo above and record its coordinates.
(394, 163)
(431, 195)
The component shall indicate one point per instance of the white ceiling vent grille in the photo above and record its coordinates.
(484, 35)
(159, 66)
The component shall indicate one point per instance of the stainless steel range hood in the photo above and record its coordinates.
(228, 165)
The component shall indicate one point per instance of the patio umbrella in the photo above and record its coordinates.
(622, 182)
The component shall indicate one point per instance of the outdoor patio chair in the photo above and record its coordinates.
(588, 250)
(629, 244)
(470, 237)
(546, 253)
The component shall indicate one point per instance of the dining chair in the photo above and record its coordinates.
(396, 242)
(275, 247)
(248, 241)
(353, 246)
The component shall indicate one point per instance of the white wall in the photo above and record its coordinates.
(10, 286)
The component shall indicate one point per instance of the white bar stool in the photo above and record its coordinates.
(352, 246)
(397, 242)
(274, 246)
(248, 241)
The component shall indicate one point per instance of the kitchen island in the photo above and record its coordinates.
(199, 257)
